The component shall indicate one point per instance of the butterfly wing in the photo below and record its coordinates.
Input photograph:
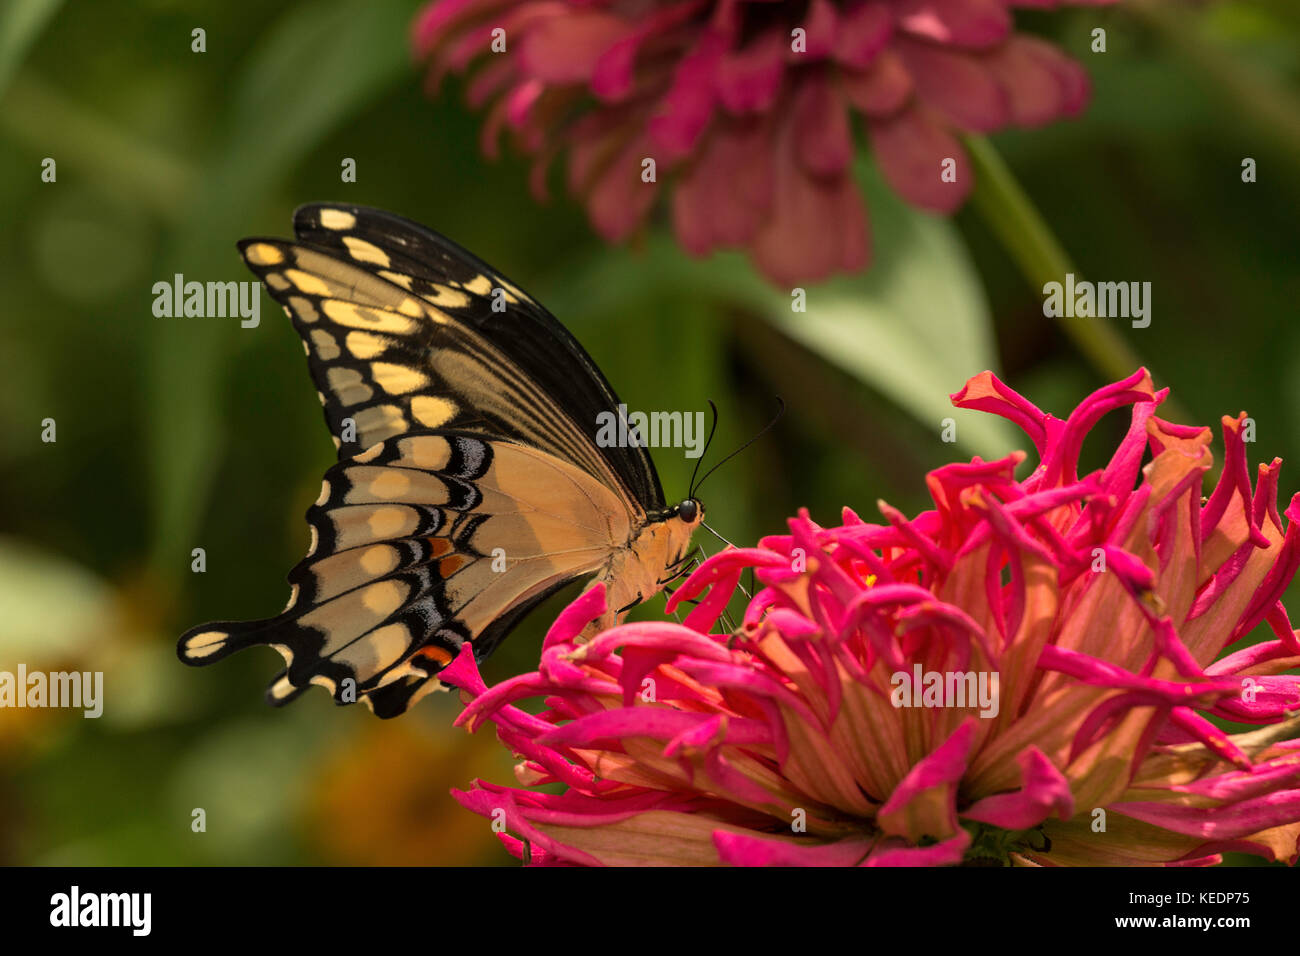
(419, 544)
(406, 330)
(470, 483)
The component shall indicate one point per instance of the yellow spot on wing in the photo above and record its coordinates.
(479, 285)
(365, 251)
(320, 680)
(276, 281)
(326, 347)
(360, 316)
(447, 297)
(432, 411)
(263, 254)
(306, 282)
(397, 278)
(387, 522)
(430, 452)
(208, 642)
(303, 308)
(348, 387)
(383, 598)
(379, 560)
(389, 485)
(363, 345)
(380, 417)
(390, 642)
(398, 379)
(337, 219)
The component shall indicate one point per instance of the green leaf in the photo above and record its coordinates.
(915, 326)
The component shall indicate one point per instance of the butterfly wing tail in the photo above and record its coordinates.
(387, 697)
(208, 643)
(212, 642)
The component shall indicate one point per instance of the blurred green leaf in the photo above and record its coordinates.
(97, 148)
(21, 22)
(915, 327)
(315, 68)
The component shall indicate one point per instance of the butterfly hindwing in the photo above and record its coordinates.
(407, 563)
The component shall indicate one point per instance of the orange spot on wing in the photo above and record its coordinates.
(449, 566)
(441, 546)
(434, 653)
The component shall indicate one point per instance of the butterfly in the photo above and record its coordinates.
(470, 484)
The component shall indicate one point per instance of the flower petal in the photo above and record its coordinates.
(913, 149)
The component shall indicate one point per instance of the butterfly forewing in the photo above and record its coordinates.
(386, 362)
(471, 293)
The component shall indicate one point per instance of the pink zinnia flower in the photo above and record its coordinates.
(1103, 603)
(747, 106)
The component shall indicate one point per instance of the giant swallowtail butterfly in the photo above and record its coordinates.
(469, 486)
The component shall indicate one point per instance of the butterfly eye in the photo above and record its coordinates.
(689, 510)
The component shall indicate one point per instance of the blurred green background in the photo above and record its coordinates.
(183, 433)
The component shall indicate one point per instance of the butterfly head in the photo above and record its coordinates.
(691, 511)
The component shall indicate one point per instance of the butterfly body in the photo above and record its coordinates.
(470, 485)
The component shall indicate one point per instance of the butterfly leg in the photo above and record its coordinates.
(627, 607)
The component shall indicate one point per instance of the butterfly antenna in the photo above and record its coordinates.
(707, 443)
(705, 526)
(765, 429)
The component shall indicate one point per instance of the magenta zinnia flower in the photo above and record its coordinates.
(747, 107)
(1103, 604)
